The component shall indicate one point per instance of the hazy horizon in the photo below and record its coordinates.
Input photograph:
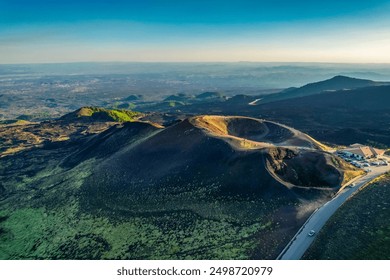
(273, 63)
(194, 31)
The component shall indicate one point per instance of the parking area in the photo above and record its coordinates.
(364, 163)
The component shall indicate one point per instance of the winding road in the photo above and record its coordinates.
(302, 241)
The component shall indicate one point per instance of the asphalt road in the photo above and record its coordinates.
(302, 241)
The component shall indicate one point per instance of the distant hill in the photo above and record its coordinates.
(133, 97)
(175, 102)
(101, 114)
(367, 98)
(210, 95)
(334, 84)
(178, 97)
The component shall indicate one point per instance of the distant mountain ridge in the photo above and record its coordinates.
(334, 84)
(211, 99)
(342, 117)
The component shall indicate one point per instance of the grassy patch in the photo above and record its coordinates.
(118, 115)
(64, 233)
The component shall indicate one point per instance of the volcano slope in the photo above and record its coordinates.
(225, 184)
(209, 187)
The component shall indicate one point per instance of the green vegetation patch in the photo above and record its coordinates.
(65, 233)
(118, 115)
(360, 229)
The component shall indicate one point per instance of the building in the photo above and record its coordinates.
(359, 151)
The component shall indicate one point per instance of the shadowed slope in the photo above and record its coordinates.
(112, 140)
(183, 154)
(199, 155)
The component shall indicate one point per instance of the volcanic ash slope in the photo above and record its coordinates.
(209, 157)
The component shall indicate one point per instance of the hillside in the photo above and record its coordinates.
(190, 166)
(111, 140)
(200, 148)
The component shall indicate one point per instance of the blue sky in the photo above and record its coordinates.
(156, 30)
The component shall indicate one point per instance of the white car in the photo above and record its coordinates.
(312, 232)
